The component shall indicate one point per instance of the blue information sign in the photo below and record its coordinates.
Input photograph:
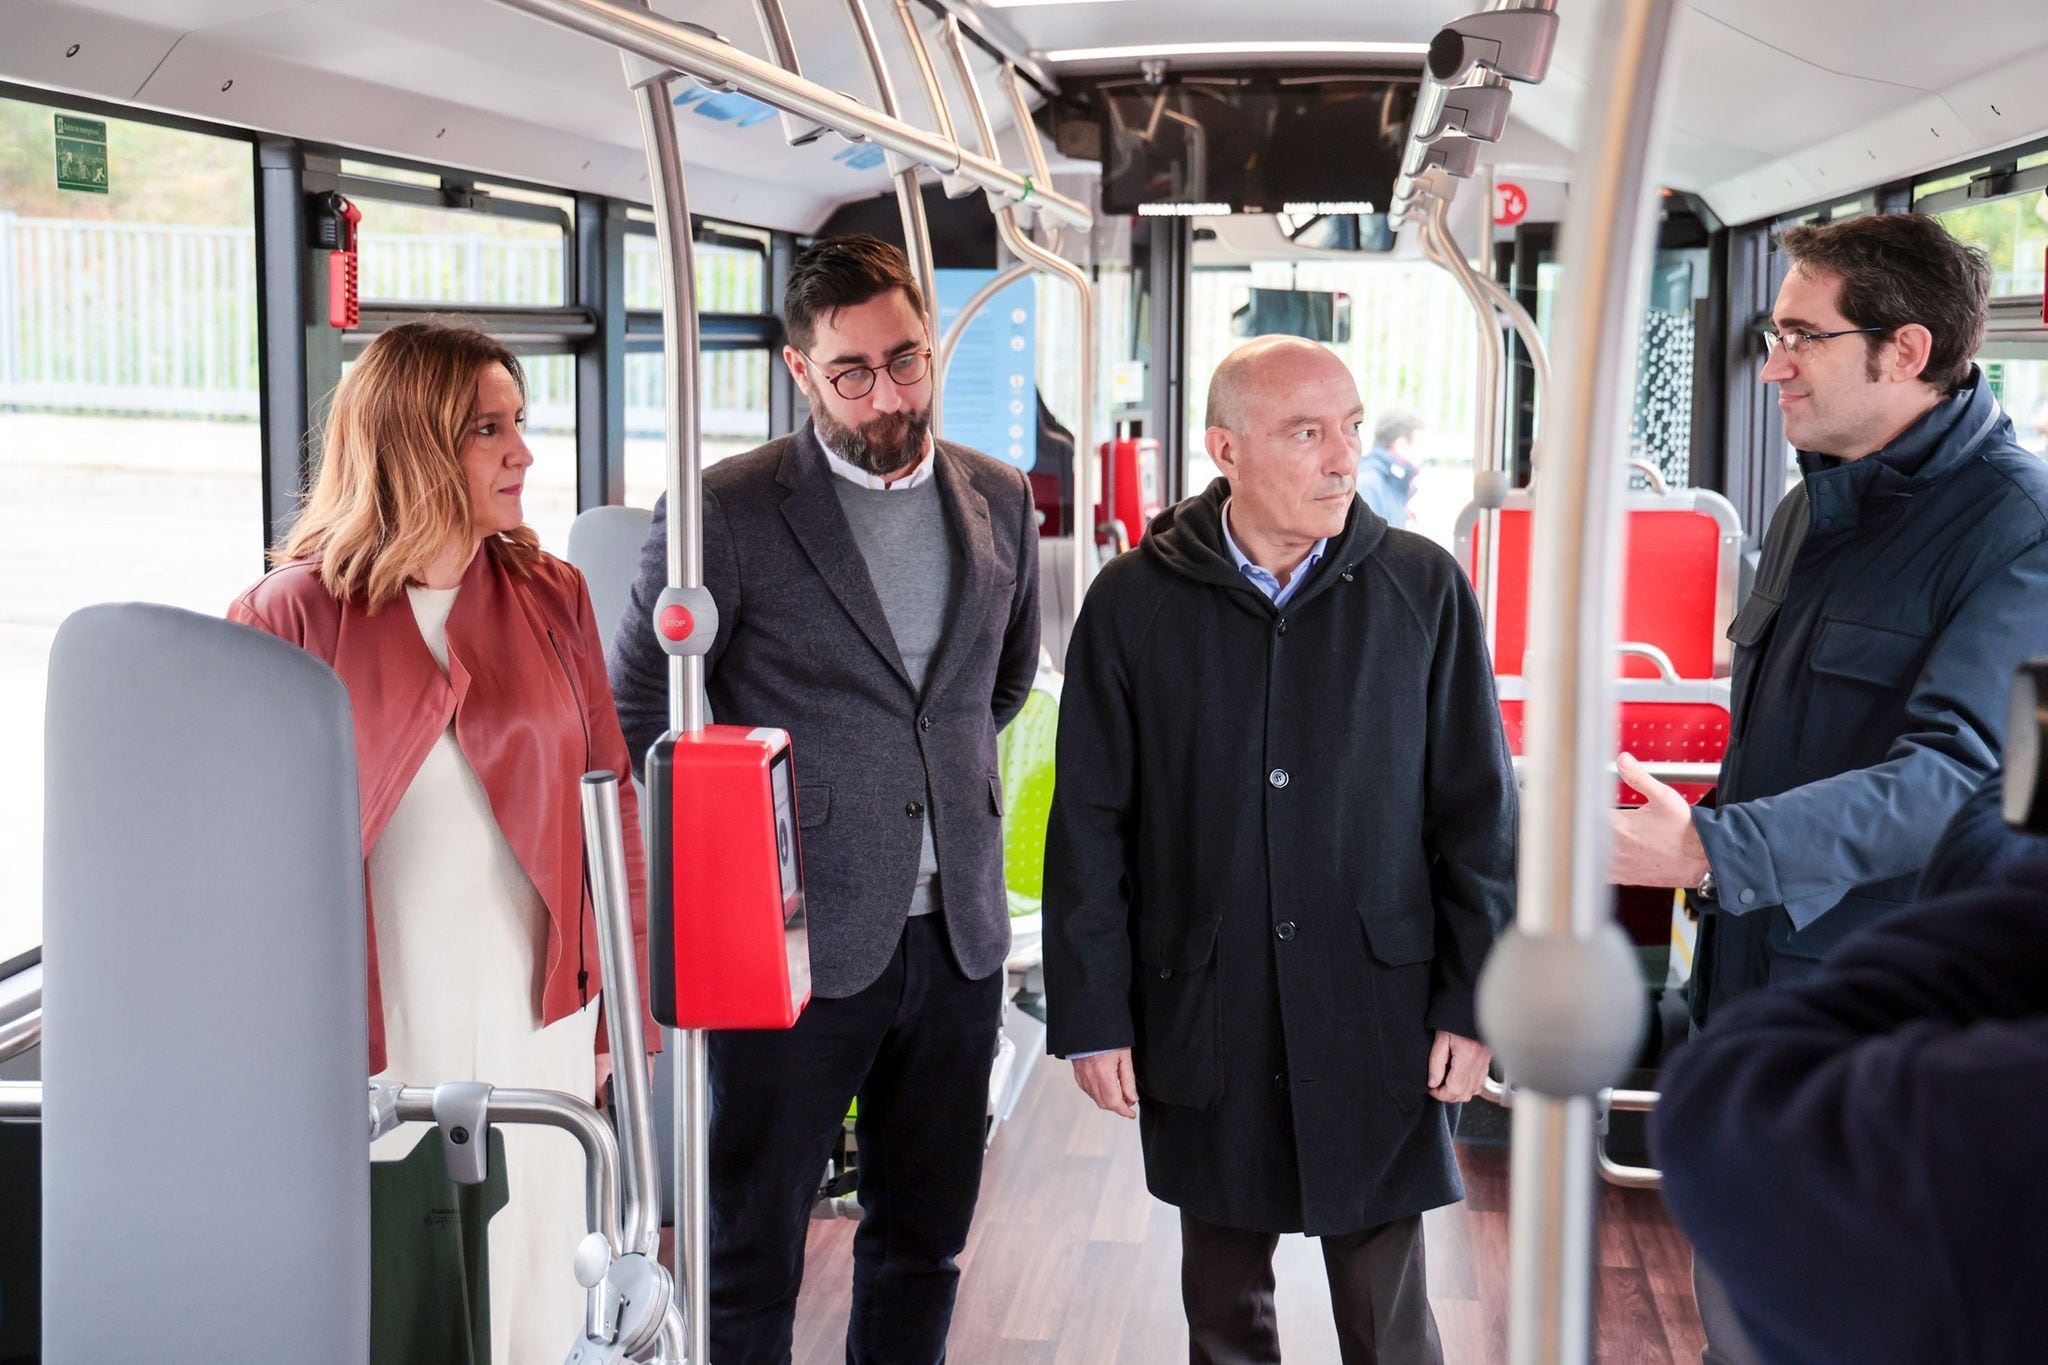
(992, 385)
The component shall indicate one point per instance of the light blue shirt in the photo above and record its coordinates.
(1265, 582)
(1268, 584)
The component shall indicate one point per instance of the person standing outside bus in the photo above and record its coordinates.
(1386, 476)
(1285, 1006)
(1900, 585)
(877, 595)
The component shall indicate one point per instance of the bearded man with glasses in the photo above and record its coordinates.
(877, 595)
(1901, 583)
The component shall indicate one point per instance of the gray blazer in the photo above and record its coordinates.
(803, 645)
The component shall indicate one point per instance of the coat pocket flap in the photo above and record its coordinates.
(1401, 942)
(1178, 946)
(813, 804)
(1753, 622)
(1871, 654)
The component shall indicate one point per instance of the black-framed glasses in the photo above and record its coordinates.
(1795, 342)
(909, 368)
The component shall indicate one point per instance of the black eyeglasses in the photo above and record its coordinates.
(1795, 341)
(858, 382)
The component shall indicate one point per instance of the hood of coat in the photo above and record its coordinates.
(1187, 538)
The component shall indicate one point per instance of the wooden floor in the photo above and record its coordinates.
(1072, 1263)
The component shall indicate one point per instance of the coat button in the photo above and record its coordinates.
(924, 722)
(1281, 625)
(1278, 777)
(914, 809)
(1166, 973)
(1279, 1080)
(1284, 930)
(1747, 897)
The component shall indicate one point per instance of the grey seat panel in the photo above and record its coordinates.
(604, 542)
(206, 1177)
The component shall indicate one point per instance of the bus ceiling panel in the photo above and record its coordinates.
(1916, 134)
(83, 50)
(461, 112)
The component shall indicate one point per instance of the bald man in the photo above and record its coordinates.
(1282, 843)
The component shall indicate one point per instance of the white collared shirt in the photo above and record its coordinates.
(1267, 582)
(854, 474)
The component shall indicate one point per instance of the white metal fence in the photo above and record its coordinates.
(141, 318)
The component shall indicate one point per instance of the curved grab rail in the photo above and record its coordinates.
(1667, 671)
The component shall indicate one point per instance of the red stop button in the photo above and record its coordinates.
(676, 623)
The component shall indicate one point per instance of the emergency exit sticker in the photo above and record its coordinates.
(81, 154)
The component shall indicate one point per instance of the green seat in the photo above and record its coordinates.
(1024, 754)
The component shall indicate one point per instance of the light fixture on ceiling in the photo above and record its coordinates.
(1274, 48)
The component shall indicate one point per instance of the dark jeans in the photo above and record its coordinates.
(1378, 1292)
(915, 1047)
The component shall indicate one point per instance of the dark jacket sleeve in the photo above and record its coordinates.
(1088, 843)
(1978, 848)
(1857, 1156)
(1471, 813)
(1018, 666)
(1807, 848)
(636, 661)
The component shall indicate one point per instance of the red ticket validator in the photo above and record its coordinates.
(725, 898)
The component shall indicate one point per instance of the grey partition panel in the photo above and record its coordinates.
(604, 543)
(206, 1173)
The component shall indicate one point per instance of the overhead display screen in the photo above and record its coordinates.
(1206, 145)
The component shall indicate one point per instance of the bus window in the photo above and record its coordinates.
(2021, 387)
(128, 414)
(1413, 345)
(414, 254)
(2013, 233)
(733, 418)
(732, 277)
(550, 498)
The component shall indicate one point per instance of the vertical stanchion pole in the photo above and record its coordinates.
(1560, 999)
(672, 229)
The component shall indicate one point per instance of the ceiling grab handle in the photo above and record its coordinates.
(673, 46)
(955, 186)
(1514, 315)
(782, 47)
(1027, 130)
(654, 100)
(1560, 999)
(1489, 469)
(1086, 495)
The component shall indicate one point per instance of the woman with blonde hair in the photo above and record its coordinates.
(476, 677)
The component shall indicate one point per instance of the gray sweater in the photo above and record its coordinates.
(909, 551)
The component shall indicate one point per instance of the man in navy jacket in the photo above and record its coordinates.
(1858, 1157)
(1900, 586)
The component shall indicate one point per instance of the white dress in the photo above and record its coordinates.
(460, 930)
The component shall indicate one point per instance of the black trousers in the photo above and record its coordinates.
(1378, 1290)
(915, 1048)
